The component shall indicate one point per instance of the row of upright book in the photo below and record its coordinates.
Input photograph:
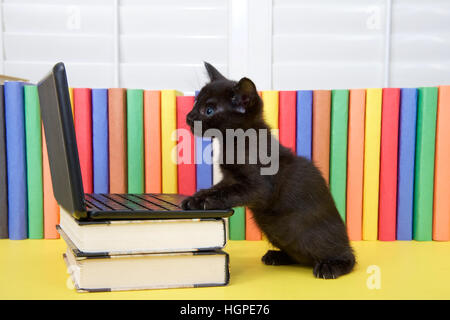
(385, 153)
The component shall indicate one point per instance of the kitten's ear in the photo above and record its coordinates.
(244, 93)
(213, 73)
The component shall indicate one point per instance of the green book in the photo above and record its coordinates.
(237, 224)
(33, 139)
(338, 149)
(424, 170)
(135, 140)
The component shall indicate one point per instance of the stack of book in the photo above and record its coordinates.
(112, 255)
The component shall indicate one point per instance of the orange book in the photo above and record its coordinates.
(252, 231)
(441, 214)
(117, 121)
(355, 163)
(321, 131)
(51, 207)
(152, 141)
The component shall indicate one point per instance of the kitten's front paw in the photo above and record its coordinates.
(202, 203)
(191, 203)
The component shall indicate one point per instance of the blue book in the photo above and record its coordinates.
(304, 123)
(406, 162)
(203, 160)
(3, 173)
(100, 140)
(16, 160)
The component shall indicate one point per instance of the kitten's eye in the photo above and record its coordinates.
(209, 110)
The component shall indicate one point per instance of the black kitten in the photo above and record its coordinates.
(293, 207)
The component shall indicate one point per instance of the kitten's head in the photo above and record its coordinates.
(225, 104)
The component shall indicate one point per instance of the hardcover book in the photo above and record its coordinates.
(82, 100)
(321, 131)
(117, 122)
(100, 140)
(3, 173)
(406, 161)
(109, 272)
(168, 143)
(135, 140)
(424, 170)
(372, 163)
(338, 149)
(355, 158)
(388, 164)
(441, 214)
(304, 123)
(16, 160)
(143, 236)
(152, 141)
(33, 137)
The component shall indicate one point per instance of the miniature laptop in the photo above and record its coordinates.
(66, 173)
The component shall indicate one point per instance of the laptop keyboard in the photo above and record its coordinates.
(133, 202)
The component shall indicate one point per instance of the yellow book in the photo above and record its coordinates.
(71, 98)
(371, 163)
(168, 140)
(270, 113)
(270, 109)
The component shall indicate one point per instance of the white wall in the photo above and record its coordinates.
(281, 44)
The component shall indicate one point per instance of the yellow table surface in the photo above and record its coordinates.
(34, 269)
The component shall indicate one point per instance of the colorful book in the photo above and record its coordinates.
(424, 169)
(51, 207)
(3, 172)
(186, 152)
(16, 160)
(117, 124)
(152, 140)
(338, 149)
(33, 138)
(388, 164)
(355, 160)
(441, 213)
(168, 140)
(135, 140)
(237, 224)
(203, 160)
(82, 100)
(406, 161)
(252, 231)
(100, 140)
(371, 163)
(304, 123)
(287, 119)
(321, 131)
(270, 110)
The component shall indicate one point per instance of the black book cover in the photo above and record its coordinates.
(3, 177)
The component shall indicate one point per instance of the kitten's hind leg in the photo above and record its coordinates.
(277, 258)
(332, 269)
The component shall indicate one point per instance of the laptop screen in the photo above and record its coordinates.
(61, 141)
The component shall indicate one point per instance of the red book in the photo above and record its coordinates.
(83, 130)
(186, 151)
(287, 118)
(387, 225)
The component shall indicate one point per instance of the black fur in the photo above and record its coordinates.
(294, 207)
